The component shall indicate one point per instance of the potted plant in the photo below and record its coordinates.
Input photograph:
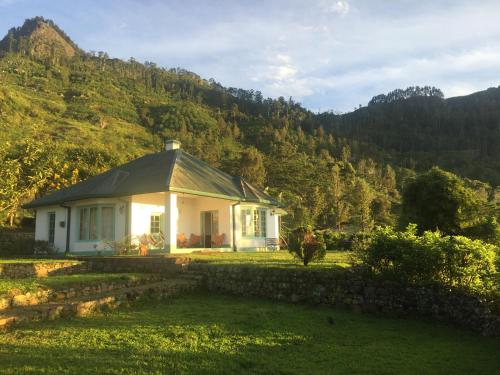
(144, 242)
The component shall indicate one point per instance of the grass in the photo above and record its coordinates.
(282, 259)
(202, 334)
(61, 282)
(35, 260)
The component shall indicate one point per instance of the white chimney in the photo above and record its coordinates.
(172, 144)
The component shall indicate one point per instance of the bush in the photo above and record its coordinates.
(487, 230)
(335, 240)
(306, 245)
(15, 243)
(125, 246)
(43, 248)
(453, 261)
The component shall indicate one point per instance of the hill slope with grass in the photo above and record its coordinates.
(66, 115)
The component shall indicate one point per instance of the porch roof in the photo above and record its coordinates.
(172, 170)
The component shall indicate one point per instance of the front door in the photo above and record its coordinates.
(209, 227)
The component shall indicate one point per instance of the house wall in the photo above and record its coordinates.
(188, 216)
(223, 207)
(137, 221)
(78, 246)
(141, 208)
(42, 226)
(252, 243)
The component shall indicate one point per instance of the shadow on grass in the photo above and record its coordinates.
(210, 334)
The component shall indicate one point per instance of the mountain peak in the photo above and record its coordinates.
(39, 37)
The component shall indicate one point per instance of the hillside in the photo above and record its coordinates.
(39, 37)
(461, 134)
(66, 115)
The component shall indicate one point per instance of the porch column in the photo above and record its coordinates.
(170, 229)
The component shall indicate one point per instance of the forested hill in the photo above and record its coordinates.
(461, 134)
(66, 114)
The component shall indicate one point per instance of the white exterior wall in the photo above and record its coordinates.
(42, 226)
(254, 243)
(223, 207)
(92, 246)
(188, 216)
(187, 208)
(141, 208)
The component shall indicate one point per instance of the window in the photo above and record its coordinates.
(253, 222)
(246, 223)
(155, 226)
(52, 227)
(96, 223)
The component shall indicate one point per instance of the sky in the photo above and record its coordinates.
(326, 54)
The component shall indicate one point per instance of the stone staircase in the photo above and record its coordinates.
(87, 300)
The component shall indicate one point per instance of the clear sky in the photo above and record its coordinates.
(327, 54)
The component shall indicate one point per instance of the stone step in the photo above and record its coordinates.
(51, 295)
(86, 305)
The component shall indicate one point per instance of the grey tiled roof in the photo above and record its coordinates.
(173, 170)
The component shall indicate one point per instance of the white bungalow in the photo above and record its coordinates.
(170, 194)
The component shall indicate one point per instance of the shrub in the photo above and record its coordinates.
(43, 248)
(449, 260)
(335, 240)
(307, 245)
(125, 246)
(13, 243)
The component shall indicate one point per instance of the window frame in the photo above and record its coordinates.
(159, 215)
(51, 228)
(258, 222)
(98, 223)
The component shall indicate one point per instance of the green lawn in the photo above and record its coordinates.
(35, 260)
(209, 334)
(61, 282)
(272, 259)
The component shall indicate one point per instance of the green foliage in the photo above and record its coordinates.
(439, 200)
(252, 166)
(306, 245)
(335, 240)
(453, 261)
(488, 229)
(87, 113)
(15, 244)
(459, 134)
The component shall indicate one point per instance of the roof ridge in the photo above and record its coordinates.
(242, 185)
(172, 167)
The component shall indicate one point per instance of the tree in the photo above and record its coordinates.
(439, 200)
(252, 166)
(337, 197)
(361, 200)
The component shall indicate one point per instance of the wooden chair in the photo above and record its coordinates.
(218, 240)
(194, 240)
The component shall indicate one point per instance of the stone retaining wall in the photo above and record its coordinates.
(158, 264)
(87, 305)
(41, 269)
(13, 299)
(350, 289)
